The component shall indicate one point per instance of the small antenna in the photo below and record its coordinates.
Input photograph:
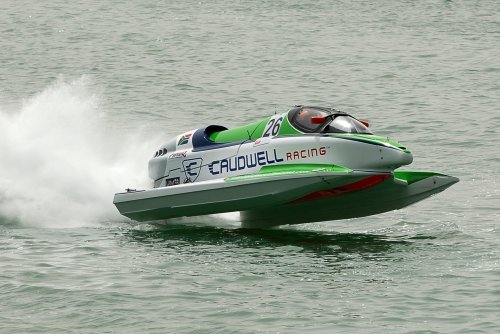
(250, 136)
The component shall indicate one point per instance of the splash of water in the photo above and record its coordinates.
(60, 164)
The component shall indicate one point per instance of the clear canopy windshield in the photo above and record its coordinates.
(302, 119)
(346, 124)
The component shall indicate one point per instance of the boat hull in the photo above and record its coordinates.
(291, 197)
(225, 195)
(389, 195)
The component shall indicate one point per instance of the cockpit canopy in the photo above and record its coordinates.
(324, 120)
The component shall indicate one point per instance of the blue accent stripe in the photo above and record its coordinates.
(215, 146)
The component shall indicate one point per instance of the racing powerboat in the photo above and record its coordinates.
(307, 164)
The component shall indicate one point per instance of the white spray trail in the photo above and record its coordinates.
(60, 165)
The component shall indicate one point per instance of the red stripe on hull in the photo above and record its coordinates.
(363, 184)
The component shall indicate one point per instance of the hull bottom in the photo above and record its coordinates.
(296, 197)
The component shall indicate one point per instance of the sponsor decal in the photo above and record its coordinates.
(240, 162)
(184, 139)
(192, 168)
(273, 126)
(181, 154)
(262, 141)
(307, 153)
(173, 181)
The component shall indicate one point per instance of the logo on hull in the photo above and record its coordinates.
(307, 153)
(175, 155)
(240, 162)
(192, 168)
(184, 139)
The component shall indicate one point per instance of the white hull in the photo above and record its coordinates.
(272, 200)
(216, 196)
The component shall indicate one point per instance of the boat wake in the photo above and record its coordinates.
(61, 161)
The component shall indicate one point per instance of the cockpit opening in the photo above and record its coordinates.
(325, 120)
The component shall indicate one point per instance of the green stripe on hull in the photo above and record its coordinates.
(251, 131)
(287, 129)
(412, 177)
(309, 168)
(289, 169)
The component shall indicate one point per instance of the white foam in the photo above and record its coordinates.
(60, 164)
(227, 219)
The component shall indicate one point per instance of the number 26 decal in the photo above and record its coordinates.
(273, 126)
